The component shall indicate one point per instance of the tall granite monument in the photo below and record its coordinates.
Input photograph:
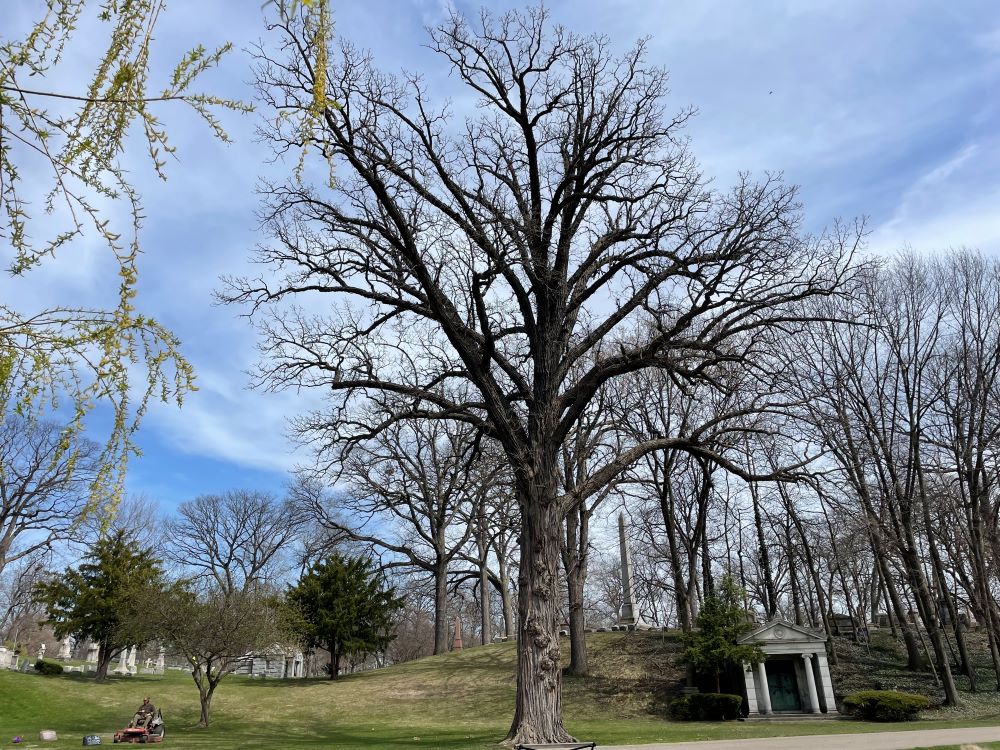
(630, 617)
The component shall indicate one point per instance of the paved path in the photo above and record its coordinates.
(867, 741)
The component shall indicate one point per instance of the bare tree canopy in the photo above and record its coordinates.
(234, 540)
(44, 488)
(474, 265)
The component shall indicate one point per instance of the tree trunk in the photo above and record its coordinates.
(483, 557)
(508, 605)
(441, 608)
(682, 593)
(914, 658)
(104, 657)
(574, 564)
(944, 596)
(334, 663)
(577, 626)
(925, 607)
(764, 558)
(538, 704)
(486, 626)
(981, 589)
(205, 697)
(821, 603)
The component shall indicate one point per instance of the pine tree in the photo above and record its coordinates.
(713, 646)
(101, 600)
(345, 608)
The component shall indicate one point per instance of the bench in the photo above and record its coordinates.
(558, 746)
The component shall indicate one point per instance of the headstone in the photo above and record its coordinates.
(41, 651)
(160, 660)
(130, 665)
(64, 650)
(93, 649)
(630, 617)
(457, 646)
(122, 667)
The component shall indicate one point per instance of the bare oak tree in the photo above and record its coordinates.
(563, 221)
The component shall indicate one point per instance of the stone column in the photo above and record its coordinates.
(765, 692)
(130, 664)
(811, 683)
(751, 688)
(457, 644)
(161, 660)
(826, 684)
(64, 650)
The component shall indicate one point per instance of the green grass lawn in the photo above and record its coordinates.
(459, 700)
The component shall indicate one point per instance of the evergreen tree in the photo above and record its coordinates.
(345, 608)
(102, 599)
(713, 646)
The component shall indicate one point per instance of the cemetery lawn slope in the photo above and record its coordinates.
(458, 700)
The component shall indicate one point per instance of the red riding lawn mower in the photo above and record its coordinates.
(152, 733)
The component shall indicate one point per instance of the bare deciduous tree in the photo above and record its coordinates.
(234, 540)
(44, 487)
(563, 223)
(409, 493)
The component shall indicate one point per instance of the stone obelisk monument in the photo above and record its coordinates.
(630, 617)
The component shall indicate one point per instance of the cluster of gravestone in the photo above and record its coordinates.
(126, 663)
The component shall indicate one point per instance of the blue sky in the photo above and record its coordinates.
(886, 110)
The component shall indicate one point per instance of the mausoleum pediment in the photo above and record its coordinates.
(782, 632)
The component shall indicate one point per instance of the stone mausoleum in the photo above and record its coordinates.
(795, 677)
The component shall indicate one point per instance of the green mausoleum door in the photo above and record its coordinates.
(783, 686)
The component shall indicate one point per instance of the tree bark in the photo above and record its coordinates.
(574, 562)
(506, 600)
(441, 608)
(104, 656)
(764, 558)
(486, 625)
(205, 697)
(914, 658)
(538, 704)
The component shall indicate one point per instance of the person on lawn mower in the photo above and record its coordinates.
(144, 716)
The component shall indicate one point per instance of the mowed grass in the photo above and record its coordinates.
(457, 700)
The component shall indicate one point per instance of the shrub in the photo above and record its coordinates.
(707, 707)
(885, 705)
(680, 709)
(48, 667)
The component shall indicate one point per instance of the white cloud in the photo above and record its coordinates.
(953, 204)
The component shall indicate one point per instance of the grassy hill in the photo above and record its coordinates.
(459, 700)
